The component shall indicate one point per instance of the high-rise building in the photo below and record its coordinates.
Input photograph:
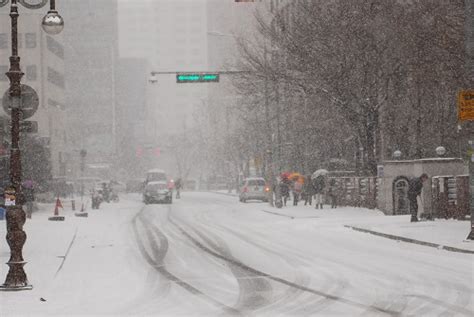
(91, 43)
(131, 83)
(136, 24)
(171, 35)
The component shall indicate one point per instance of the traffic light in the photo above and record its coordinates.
(197, 78)
(157, 152)
(139, 152)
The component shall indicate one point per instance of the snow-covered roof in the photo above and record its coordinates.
(157, 183)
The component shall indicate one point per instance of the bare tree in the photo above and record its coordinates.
(381, 73)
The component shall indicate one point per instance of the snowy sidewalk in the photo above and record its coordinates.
(79, 261)
(449, 235)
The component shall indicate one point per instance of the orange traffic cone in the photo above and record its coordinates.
(58, 205)
(56, 216)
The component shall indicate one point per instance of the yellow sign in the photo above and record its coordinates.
(466, 105)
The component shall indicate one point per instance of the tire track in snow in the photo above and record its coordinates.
(67, 252)
(455, 299)
(395, 305)
(393, 300)
(159, 252)
(255, 291)
(339, 286)
(333, 298)
(333, 284)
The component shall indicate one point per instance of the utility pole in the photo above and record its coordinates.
(83, 154)
(269, 151)
(469, 27)
(471, 189)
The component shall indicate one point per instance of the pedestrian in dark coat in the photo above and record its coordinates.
(333, 192)
(415, 185)
(308, 191)
(178, 185)
(297, 189)
(319, 184)
(285, 190)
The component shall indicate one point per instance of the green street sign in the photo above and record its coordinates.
(197, 78)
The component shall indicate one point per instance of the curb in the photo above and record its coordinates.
(409, 240)
(288, 216)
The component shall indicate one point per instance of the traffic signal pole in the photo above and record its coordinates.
(471, 187)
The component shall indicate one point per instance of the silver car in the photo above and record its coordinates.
(254, 189)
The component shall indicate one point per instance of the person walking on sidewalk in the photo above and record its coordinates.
(285, 190)
(319, 184)
(297, 188)
(332, 192)
(415, 185)
(178, 185)
(308, 190)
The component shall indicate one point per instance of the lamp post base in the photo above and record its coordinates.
(8, 288)
(16, 278)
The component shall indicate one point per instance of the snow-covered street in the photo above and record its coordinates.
(156, 157)
(208, 255)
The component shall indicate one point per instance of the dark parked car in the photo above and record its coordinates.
(156, 192)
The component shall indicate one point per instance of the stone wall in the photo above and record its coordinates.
(390, 170)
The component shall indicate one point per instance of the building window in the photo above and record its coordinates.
(3, 70)
(3, 40)
(31, 73)
(30, 40)
(55, 77)
(55, 47)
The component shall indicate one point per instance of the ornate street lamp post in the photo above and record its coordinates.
(53, 24)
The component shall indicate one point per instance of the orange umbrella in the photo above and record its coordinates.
(297, 177)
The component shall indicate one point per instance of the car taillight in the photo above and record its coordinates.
(245, 189)
(267, 189)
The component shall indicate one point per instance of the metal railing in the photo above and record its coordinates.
(450, 196)
(356, 191)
